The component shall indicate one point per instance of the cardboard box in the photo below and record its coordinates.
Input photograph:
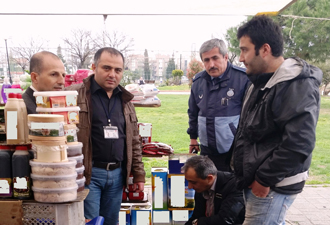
(176, 162)
(141, 214)
(161, 217)
(159, 188)
(179, 195)
(180, 217)
(145, 132)
(11, 212)
(125, 215)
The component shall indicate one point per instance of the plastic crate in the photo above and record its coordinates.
(53, 214)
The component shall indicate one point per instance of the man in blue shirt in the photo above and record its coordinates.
(215, 103)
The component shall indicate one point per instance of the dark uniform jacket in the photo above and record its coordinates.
(228, 203)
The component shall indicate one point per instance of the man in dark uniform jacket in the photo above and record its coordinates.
(47, 74)
(217, 201)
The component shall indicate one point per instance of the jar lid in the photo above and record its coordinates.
(63, 109)
(12, 95)
(45, 118)
(41, 138)
(54, 93)
(5, 147)
(21, 148)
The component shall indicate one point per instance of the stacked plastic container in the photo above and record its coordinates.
(53, 175)
(65, 103)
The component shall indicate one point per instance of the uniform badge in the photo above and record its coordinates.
(200, 96)
(230, 93)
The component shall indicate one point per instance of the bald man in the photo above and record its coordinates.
(47, 74)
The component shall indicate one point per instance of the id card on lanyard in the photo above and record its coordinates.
(110, 132)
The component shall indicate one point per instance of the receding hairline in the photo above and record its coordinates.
(36, 62)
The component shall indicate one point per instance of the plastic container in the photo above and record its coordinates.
(80, 172)
(71, 114)
(14, 121)
(53, 169)
(50, 151)
(46, 125)
(79, 160)
(56, 99)
(21, 173)
(74, 149)
(5, 85)
(81, 184)
(52, 195)
(6, 189)
(70, 131)
(63, 181)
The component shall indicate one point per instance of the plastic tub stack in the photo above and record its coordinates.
(54, 173)
(144, 94)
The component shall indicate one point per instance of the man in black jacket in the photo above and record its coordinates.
(273, 146)
(47, 74)
(217, 201)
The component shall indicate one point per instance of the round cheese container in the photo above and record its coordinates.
(71, 114)
(52, 195)
(49, 151)
(56, 99)
(54, 169)
(63, 181)
(46, 125)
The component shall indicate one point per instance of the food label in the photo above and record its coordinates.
(55, 126)
(22, 187)
(11, 125)
(5, 185)
(71, 100)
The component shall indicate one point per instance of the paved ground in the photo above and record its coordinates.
(311, 207)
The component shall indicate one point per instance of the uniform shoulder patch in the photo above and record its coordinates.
(198, 75)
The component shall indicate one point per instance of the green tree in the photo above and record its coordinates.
(177, 74)
(307, 35)
(60, 55)
(325, 67)
(146, 65)
(170, 68)
(195, 66)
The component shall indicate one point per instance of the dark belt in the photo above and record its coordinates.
(107, 166)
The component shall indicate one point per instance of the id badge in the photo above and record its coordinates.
(110, 132)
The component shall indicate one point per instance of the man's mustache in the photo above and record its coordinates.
(213, 68)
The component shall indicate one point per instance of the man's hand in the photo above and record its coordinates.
(193, 144)
(259, 190)
(138, 187)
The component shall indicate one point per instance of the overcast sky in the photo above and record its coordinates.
(152, 32)
(170, 33)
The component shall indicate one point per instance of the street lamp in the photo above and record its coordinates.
(8, 62)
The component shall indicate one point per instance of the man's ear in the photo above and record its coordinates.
(210, 178)
(93, 67)
(265, 50)
(34, 77)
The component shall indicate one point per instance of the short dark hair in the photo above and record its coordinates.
(109, 50)
(36, 61)
(261, 30)
(213, 43)
(202, 165)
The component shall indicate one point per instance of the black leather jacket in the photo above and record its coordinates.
(228, 203)
(276, 132)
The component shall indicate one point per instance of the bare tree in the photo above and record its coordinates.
(115, 39)
(23, 53)
(81, 47)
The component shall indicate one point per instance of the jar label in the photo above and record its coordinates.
(5, 186)
(22, 187)
(11, 125)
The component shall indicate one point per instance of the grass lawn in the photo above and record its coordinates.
(170, 123)
(183, 87)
